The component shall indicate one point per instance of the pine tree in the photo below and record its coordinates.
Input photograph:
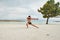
(50, 9)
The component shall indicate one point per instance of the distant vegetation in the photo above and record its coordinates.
(12, 21)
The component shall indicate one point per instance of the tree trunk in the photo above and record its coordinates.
(47, 20)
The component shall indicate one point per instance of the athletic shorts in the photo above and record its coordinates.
(29, 23)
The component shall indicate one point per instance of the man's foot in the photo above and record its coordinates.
(37, 27)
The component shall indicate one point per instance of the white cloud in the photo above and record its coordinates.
(57, 0)
(13, 12)
(17, 12)
(36, 5)
(15, 9)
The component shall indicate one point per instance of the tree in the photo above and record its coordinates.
(50, 9)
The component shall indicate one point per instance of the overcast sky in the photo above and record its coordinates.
(20, 9)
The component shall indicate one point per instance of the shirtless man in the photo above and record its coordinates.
(29, 21)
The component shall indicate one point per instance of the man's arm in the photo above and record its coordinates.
(34, 18)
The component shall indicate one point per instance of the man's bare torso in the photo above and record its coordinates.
(29, 19)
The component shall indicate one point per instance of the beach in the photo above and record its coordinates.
(20, 32)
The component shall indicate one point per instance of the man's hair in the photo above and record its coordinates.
(29, 16)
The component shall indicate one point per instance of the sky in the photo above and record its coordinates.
(20, 9)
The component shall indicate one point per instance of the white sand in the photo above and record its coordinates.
(19, 32)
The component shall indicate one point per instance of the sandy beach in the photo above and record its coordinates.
(20, 32)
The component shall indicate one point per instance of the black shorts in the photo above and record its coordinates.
(29, 23)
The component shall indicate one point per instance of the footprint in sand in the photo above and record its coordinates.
(47, 34)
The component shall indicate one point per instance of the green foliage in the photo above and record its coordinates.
(50, 9)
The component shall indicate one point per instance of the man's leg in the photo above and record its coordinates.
(34, 26)
(27, 25)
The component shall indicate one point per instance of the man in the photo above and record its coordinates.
(29, 21)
